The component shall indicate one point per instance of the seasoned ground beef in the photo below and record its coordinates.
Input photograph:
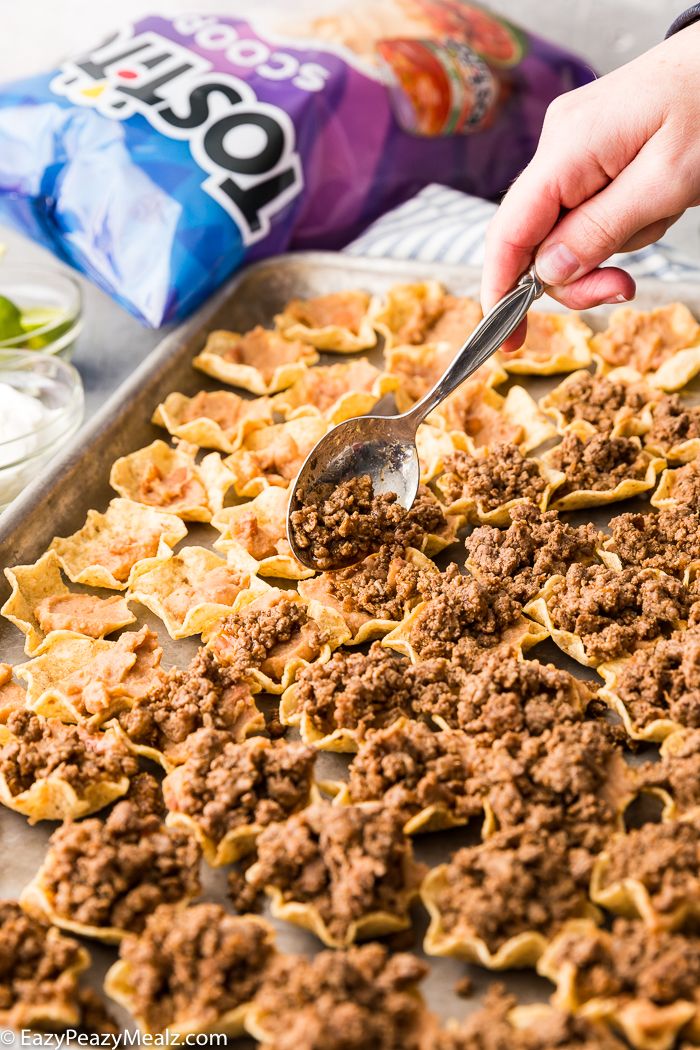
(489, 1029)
(665, 858)
(514, 882)
(633, 962)
(355, 690)
(204, 693)
(359, 999)
(34, 960)
(678, 772)
(345, 861)
(225, 785)
(508, 694)
(116, 872)
(412, 768)
(492, 479)
(146, 795)
(613, 612)
(534, 547)
(246, 639)
(597, 463)
(45, 747)
(340, 526)
(571, 778)
(668, 540)
(463, 619)
(686, 486)
(601, 401)
(664, 681)
(381, 585)
(674, 422)
(194, 964)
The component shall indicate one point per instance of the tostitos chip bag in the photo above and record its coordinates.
(179, 148)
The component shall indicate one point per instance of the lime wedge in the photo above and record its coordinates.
(10, 320)
(39, 316)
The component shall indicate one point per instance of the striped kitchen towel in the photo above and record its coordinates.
(443, 225)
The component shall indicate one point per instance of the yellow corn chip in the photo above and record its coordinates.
(679, 487)
(39, 900)
(54, 1003)
(663, 344)
(254, 534)
(104, 551)
(476, 415)
(568, 404)
(405, 873)
(645, 1024)
(211, 697)
(643, 473)
(570, 643)
(340, 321)
(669, 415)
(54, 797)
(240, 838)
(425, 313)
(335, 392)
(618, 885)
(518, 951)
(514, 640)
(190, 589)
(311, 636)
(120, 981)
(260, 361)
(415, 369)
(216, 419)
(41, 603)
(555, 342)
(401, 778)
(169, 479)
(12, 695)
(81, 679)
(273, 456)
(474, 509)
(433, 445)
(673, 779)
(652, 715)
(363, 626)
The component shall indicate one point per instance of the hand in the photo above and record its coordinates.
(617, 163)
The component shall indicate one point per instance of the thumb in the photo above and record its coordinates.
(605, 223)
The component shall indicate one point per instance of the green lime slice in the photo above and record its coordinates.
(10, 320)
(40, 316)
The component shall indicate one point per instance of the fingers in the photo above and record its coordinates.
(607, 284)
(561, 175)
(589, 234)
(526, 215)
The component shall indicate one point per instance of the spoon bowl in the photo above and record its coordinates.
(384, 447)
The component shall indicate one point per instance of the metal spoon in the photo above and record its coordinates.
(385, 446)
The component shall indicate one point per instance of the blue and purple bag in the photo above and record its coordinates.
(160, 161)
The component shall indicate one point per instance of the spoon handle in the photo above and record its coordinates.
(487, 337)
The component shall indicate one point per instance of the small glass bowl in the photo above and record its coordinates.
(51, 307)
(58, 387)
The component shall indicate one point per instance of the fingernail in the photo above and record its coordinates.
(615, 299)
(556, 263)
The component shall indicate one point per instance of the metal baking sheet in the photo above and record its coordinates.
(78, 480)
